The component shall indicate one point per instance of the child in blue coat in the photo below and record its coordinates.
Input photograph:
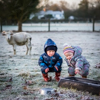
(76, 62)
(50, 61)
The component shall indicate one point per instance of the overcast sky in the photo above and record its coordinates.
(72, 3)
(69, 1)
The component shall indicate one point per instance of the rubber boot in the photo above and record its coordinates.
(46, 79)
(57, 74)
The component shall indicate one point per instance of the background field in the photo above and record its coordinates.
(54, 27)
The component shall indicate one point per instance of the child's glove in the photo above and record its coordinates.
(56, 68)
(46, 70)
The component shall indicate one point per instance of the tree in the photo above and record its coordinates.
(20, 10)
(94, 9)
(54, 7)
(1, 15)
(83, 8)
(97, 9)
(3, 11)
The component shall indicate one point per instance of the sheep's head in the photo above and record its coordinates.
(6, 33)
(3, 33)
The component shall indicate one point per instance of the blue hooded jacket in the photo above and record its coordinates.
(46, 61)
(77, 61)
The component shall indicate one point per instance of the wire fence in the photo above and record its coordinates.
(54, 27)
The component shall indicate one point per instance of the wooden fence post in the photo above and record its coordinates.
(0, 25)
(49, 25)
(93, 26)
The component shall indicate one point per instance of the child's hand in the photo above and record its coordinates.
(46, 70)
(56, 68)
(77, 71)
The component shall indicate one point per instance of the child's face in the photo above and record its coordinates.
(50, 53)
(69, 55)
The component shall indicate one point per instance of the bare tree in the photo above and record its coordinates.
(83, 8)
(19, 10)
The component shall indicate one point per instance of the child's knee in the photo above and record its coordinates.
(59, 69)
(71, 71)
(85, 72)
(43, 71)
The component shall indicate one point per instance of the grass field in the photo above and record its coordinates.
(25, 71)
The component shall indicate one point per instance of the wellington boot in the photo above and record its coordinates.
(57, 75)
(46, 79)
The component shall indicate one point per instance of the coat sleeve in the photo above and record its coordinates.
(42, 63)
(79, 64)
(59, 62)
(67, 62)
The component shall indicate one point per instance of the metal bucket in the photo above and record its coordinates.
(46, 91)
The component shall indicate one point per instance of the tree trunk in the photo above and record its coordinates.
(19, 26)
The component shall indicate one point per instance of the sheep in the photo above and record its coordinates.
(19, 39)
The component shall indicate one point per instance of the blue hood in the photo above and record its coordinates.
(48, 43)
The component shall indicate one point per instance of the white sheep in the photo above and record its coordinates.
(20, 38)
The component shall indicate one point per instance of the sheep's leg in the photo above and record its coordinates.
(14, 49)
(30, 50)
(29, 47)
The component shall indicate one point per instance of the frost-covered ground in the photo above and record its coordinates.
(25, 71)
